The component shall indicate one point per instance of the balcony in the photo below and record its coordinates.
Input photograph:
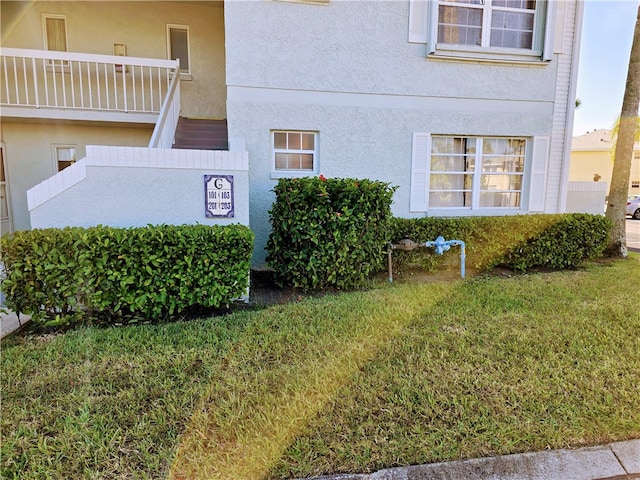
(85, 87)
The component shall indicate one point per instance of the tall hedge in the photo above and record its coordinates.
(59, 275)
(328, 232)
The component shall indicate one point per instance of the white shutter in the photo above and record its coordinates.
(550, 20)
(418, 10)
(432, 23)
(420, 153)
(538, 182)
(559, 27)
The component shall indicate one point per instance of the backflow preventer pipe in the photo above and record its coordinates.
(440, 244)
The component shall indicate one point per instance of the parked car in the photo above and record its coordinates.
(633, 207)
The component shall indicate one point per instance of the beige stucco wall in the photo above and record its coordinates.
(585, 164)
(94, 27)
(29, 156)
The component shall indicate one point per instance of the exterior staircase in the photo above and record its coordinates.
(201, 134)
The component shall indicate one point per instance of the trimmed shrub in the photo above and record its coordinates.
(519, 242)
(328, 232)
(566, 243)
(123, 274)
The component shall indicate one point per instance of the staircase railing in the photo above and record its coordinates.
(164, 131)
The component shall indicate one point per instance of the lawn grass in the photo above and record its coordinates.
(405, 374)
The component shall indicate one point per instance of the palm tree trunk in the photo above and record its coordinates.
(619, 189)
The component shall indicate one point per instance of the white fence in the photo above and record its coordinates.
(587, 197)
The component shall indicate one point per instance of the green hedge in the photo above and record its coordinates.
(519, 242)
(328, 232)
(58, 276)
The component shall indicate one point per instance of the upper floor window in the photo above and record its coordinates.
(55, 37)
(178, 46)
(487, 30)
(55, 32)
(487, 23)
(64, 156)
(294, 152)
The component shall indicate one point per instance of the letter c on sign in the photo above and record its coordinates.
(218, 183)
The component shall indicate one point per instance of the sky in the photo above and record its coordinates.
(607, 33)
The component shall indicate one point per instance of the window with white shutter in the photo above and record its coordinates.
(491, 30)
(451, 173)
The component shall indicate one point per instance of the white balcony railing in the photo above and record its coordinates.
(39, 79)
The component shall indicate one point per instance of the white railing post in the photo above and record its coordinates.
(6, 76)
(35, 82)
(26, 85)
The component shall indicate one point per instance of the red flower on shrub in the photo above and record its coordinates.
(322, 178)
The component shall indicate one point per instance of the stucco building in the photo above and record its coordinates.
(592, 160)
(466, 107)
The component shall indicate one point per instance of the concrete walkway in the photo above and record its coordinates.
(9, 322)
(617, 461)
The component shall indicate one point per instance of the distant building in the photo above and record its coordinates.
(592, 160)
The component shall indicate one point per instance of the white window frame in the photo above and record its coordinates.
(472, 192)
(45, 17)
(56, 148)
(423, 28)
(185, 74)
(45, 40)
(292, 172)
(532, 187)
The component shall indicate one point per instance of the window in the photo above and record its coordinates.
(487, 23)
(469, 172)
(294, 151)
(64, 155)
(473, 173)
(485, 30)
(635, 183)
(55, 37)
(178, 46)
(55, 32)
